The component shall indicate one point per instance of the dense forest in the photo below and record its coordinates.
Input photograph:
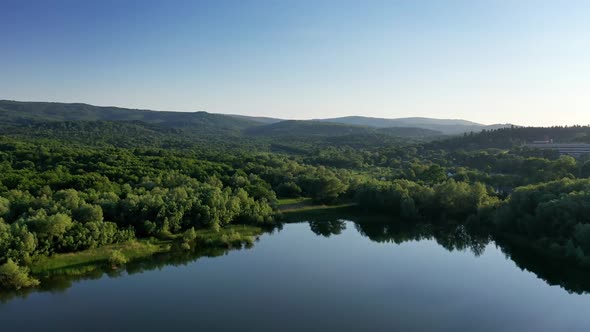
(75, 177)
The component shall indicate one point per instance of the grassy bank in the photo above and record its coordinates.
(132, 250)
(233, 235)
(303, 204)
(304, 209)
(137, 249)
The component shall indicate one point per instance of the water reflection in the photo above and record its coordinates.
(450, 236)
(59, 283)
(556, 272)
(327, 228)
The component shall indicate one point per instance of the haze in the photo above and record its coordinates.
(522, 62)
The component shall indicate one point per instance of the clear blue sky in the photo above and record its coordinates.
(524, 62)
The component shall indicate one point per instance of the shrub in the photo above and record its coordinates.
(117, 258)
(189, 235)
(13, 276)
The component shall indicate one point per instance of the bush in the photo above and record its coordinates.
(117, 258)
(13, 276)
(190, 235)
(288, 189)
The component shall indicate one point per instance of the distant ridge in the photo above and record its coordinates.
(23, 113)
(384, 122)
(446, 126)
(311, 128)
(261, 119)
(442, 126)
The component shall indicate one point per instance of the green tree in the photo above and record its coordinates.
(585, 170)
(55, 225)
(288, 189)
(13, 276)
(88, 213)
(189, 235)
(117, 258)
(4, 207)
(434, 174)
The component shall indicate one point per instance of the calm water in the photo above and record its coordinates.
(298, 279)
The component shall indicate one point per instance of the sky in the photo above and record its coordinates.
(520, 62)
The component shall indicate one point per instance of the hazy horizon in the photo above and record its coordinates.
(488, 62)
(246, 115)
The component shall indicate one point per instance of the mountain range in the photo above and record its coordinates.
(18, 113)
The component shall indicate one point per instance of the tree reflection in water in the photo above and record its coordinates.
(451, 236)
(455, 236)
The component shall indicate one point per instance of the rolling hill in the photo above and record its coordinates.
(443, 126)
(17, 113)
(505, 138)
(446, 126)
(311, 128)
(21, 113)
(261, 119)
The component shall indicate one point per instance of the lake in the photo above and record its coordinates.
(322, 276)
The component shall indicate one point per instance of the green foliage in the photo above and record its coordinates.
(189, 235)
(294, 128)
(13, 276)
(133, 249)
(16, 242)
(77, 199)
(117, 258)
(323, 186)
(77, 178)
(15, 112)
(287, 189)
(235, 239)
(411, 200)
(505, 138)
(4, 207)
(585, 171)
(88, 213)
(551, 215)
(50, 226)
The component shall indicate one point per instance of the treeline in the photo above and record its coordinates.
(69, 220)
(505, 138)
(62, 199)
(410, 200)
(70, 186)
(59, 197)
(553, 217)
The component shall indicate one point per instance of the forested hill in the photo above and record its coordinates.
(122, 126)
(21, 113)
(18, 113)
(99, 133)
(445, 126)
(41, 118)
(325, 129)
(505, 138)
(75, 177)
